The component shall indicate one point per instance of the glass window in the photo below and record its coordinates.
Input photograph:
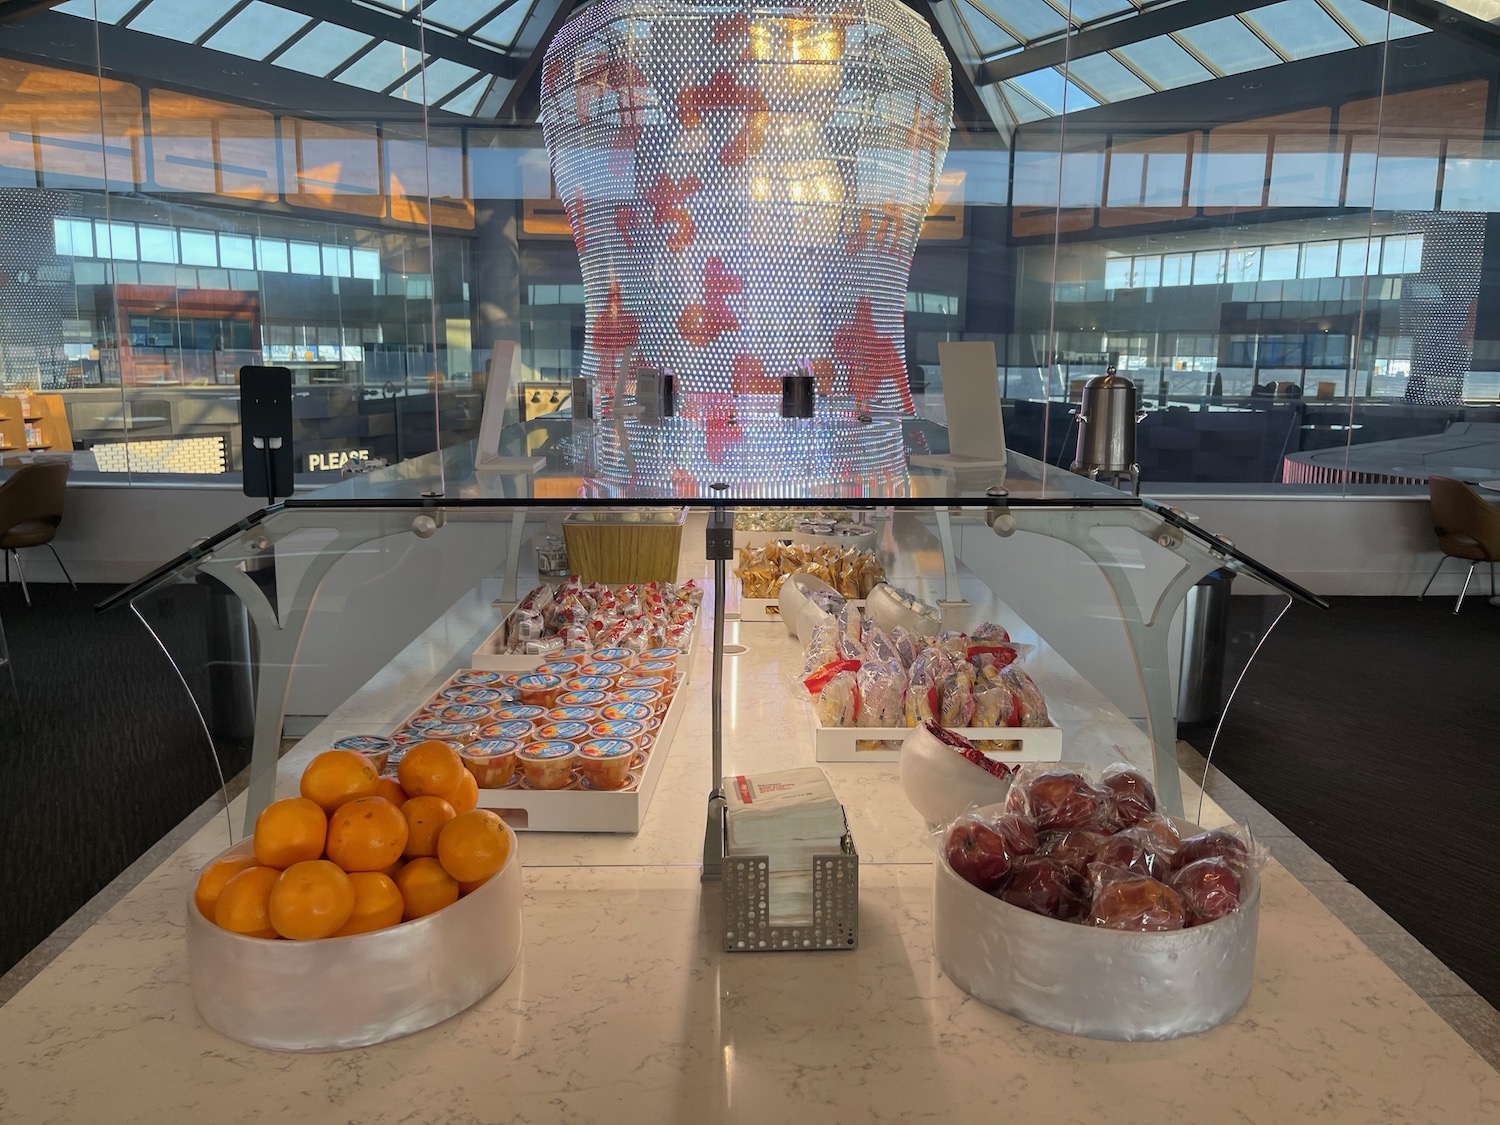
(1164, 62)
(1147, 272)
(1087, 11)
(257, 30)
(322, 49)
(108, 11)
(1299, 29)
(1236, 178)
(1305, 174)
(307, 258)
(1126, 171)
(1208, 267)
(1402, 254)
(73, 238)
(158, 244)
(336, 261)
(503, 28)
(115, 240)
(1471, 183)
(199, 248)
(1030, 19)
(1108, 78)
(468, 100)
(367, 264)
(1320, 259)
(236, 252)
(1367, 21)
(381, 67)
(1229, 45)
(1278, 263)
(213, 279)
(270, 255)
(1117, 273)
(1166, 173)
(1050, 90)
(460, 15)
(1177, 269)
(1407, 183)
(1354, 255)
(439, 78)
(183, 20)
(1243, 265)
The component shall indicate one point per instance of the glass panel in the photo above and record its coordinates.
(460, 15)
(106, 11)
(1030, 19)
(307, 258)
(1320, 259)
(1164, 62)
(323, 49)
(467, 101)
(236, 252)
(158, 244)
(1109, 79)
(987, 36)
(503, 29)
(271, 255)
(184, 20)
(1228, 45)
(1299, 28)
(199, 248)
(257, 30)
(1049, 89)
(1279, 263)
(381, 67)
(336, 261)
(438, 79)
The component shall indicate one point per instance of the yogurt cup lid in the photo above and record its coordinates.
(365, 743)
(452, 730)
(602, 668)
(588, 683)
(558, 668)
(637, 712)
(473, 695)
(512, 729)
(475, 677)
(424, 720)
(618, 655)
(463, 712)
(573, 714)
(619, 728)
(589, 698)
(491, 748)
(571, 731)
(542, 751)
(639, 695)
(649, 682)
(606, 748)
(661, 654)
(656, 667)
(536, 682)
(526, 711)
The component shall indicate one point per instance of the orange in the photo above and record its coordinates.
(390, 789)
(336, 776)
(244, 903)
(430, 769)
(465, 795)
(215, 875)
(471, 886)
(473, 845)
(377, 904)
(289, 831)
(311, 900)
(425, 817)
(366, 834)
(425, 887)
(390, 872)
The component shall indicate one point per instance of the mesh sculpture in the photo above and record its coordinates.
(746, 184)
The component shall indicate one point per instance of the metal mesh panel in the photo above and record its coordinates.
(746, 184)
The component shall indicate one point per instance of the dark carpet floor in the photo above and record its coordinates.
(104, 755)
(1372, 731)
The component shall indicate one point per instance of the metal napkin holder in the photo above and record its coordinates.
(747, 904)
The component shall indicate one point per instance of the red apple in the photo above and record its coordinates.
(1075, 850)
(1124, 901)
(1135, 851)
(977, 852)
(1044, 886)
(1133, 797)
(1210, 887)
(1161, 832)
(1019, 832)
(1061, 800)
(1216, 843)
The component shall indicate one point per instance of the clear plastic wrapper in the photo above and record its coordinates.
(908, 645)
(1126, 900)
(984, 846)
(932, 669)
(1033, 705)
(956, 698)
(838, 701)
(1076, 849)
(1058, 799)
(1048, 887)
(879, 647)
(882, 694)
(1132, 794)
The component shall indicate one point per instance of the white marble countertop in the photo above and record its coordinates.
(624, 1010)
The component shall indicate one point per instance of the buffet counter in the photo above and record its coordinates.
(624, 1009)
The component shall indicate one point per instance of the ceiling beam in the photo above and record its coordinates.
(971, 115)
(15, 9)
(524, 102)
(1120, 33)
(1450, 22)
(406, 33)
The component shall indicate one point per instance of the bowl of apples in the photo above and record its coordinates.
(1077, 905)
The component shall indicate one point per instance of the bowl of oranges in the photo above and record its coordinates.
(364, 909)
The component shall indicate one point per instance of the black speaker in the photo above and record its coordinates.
(266, 431)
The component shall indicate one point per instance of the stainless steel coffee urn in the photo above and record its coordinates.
(1107, 418)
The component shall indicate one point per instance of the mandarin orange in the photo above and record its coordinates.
(215, 875)
(377, 904)
(311, 900)
(430, 769)
(289, 831)
(244, 903)
(366, 834)
(425, 887)
(425, 817)
(336, 776)
(473, 845)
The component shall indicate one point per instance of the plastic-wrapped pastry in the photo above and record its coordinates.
(932, 669)
(822, 647)
(908, 645)
(880, 647)
(838, 702)
(882, 694)
(988, 632)
(1033, 705)
(956, 698)
(996, 706)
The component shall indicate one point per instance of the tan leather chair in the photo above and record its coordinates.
(1467, 527)
(31, 507)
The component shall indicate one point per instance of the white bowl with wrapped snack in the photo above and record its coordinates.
(942, 774)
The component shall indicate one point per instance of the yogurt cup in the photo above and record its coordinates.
(484, 696)
(516, 730)
(615, 655)
(377, 748)
(491, 761)
(661, 655)
(518, 711)
(548, 765)
(605, 762)
(589, 683)
(539, 690)
(464, 712)
(574, 714)
(424, 719)
(667, 668)
(474, 677)
(649, 696)
(663, 684)
(636, 712)
(591, 698)
(556, 667)
(609, 669)
(624, 730)
(454, 732)
(570, 731)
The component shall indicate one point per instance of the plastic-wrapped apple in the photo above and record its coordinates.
(1131, 793)
(1210, 888)
(1076, 850)
(1216, 843)
(1135, 850)
(1126, 901)
(978, 852)
(1062, 800)
(1020, 834)
(1162, 831)
(1044, 886)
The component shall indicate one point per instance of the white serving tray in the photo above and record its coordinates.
(839, 744)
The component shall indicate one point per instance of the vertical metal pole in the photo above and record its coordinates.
(719, 545)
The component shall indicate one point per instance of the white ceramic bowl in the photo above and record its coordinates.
(354, 991)
(940, 782)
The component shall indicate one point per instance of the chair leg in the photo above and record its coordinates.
(73, 584)
(26, 593)
(1441, 560)
(1467, 579)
